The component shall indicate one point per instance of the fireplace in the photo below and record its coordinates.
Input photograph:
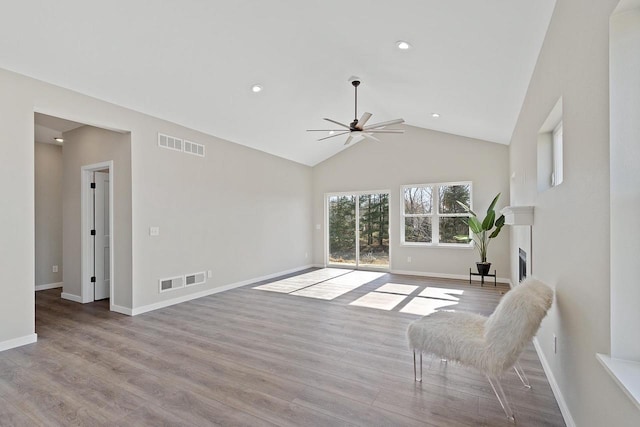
(522, 265)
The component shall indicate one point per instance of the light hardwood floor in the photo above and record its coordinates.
(253, 357)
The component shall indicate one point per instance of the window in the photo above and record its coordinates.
(550, 173)
(431, 214)
(556, 175)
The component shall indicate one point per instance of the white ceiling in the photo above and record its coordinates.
(193, 62)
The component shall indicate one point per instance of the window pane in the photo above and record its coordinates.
(417, 229)
(374, 230)
(417, 200)
(451, 227)
(450, 195)
(342, 229)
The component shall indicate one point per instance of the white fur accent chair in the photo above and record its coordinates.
(492, 345)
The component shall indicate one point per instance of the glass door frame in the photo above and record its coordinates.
(357, 194)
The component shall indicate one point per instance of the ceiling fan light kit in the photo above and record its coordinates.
(358, 127)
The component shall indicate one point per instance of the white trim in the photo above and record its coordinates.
(71, 297)
(17, 342)
(166, 303)
(49, 286)
(121, 310)
(487, 280)
(86, 288)
(625, 373)
(564, 408)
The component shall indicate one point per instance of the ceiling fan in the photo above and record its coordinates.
(359, 127)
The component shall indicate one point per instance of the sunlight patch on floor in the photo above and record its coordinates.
(441, 293)
(295, 283)
(424, 306)
(356, 277)
(325, 290)
(395, 288)
(337, 286)
(379, 300)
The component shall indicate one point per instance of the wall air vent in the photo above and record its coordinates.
(191, 147)
(195, 278)
(171, 283)
(170, 142)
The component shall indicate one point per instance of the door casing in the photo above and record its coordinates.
(86, 265)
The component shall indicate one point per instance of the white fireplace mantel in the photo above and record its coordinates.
(518, 215)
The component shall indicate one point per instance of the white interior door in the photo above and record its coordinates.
(101, 239)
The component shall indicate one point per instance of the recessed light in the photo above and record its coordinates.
(403, 45)
(435, 115)
(59, 139)
(256, 88)
(331, 132)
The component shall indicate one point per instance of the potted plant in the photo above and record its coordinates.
(483, 231)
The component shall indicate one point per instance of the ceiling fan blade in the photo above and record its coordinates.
(363, 120)
(325, 130)
(349, 139)
(385, 131)
(383, 124)
(337, 123)
(334, 135)
(371, 137)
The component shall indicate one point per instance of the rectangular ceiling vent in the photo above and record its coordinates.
(191, 147)
(170, 142)
(195, 278)
(171, 283)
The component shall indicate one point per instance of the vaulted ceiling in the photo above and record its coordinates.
(193, 62)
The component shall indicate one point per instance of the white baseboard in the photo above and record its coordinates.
(568, 419)
(487, 280)
(17, 342)
(71, 297)
(184, 298)
(49, 286)
(120, 309)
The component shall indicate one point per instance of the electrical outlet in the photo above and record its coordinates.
(555, 344)
(317, 226)
(408, 259)
(154, 231)
(306, 254)
(209, 274)
(55, 269)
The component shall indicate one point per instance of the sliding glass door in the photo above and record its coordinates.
(358, 230)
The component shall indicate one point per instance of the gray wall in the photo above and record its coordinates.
(48, 213)
(571, 230)
(84, 146)
(238, 212)
(419, 156)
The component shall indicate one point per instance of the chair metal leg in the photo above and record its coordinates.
(415, 370)
(521, 375)
(502, 398)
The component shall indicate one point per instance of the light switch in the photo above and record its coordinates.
(154, 231)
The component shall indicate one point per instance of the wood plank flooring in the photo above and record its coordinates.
(256, 358)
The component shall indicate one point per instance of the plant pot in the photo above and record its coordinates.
(483, 268)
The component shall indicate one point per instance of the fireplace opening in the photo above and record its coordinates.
(522, 265)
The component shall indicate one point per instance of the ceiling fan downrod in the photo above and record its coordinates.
(353, 124)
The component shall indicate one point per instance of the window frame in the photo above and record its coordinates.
(435, 215)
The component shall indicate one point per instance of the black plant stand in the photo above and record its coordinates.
(482, 276)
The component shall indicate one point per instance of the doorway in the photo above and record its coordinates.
(97, 232)
(358, 230)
